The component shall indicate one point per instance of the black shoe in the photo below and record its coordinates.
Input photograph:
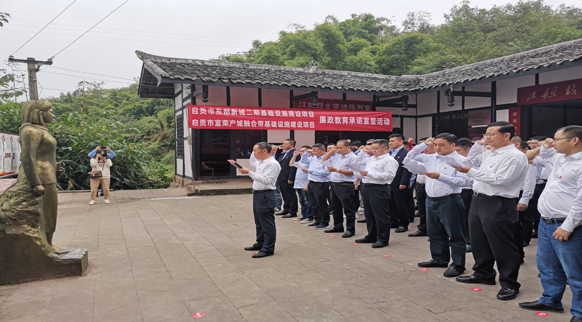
(347, 234)
(396, 225)
(507, 293)
(576, 319)
(281, 213)
(453, 271)
(418, 233)
(432, 263)
(525, 244)
(364, 241)
(401, 229)
(256, 246)
(334, 230)
(468, 248)
(362, 221)
(314, 224)
(536, 305)
(262, 254)
(473, 279)
(289, 216)
(379, 244)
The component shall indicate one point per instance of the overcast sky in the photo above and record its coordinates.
(174, 28)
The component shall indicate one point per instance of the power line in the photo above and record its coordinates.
(76, 76)
(74, 41)
(78, 71)
(43, 28)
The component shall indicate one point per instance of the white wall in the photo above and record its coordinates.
(561, 75)
(424, 126)
(410, 128)
(426, 103)
(306, 137)
(507, 88)
(502, 115)
(476, 102)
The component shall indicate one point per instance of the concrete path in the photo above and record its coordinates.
(157, 256)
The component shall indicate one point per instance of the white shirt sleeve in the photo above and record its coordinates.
(475, 156)
(268, 174)
(529, 185)
(507, 173)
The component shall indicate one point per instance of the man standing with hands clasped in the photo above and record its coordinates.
(264, 178)
(444, 205)
(493, 212)
(559, 253)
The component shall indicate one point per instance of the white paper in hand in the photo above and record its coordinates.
(326, 163)
(449, 159)
(353, 167)
(417, 168)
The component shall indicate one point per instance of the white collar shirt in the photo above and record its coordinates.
(317, 172)
(543, 169)
(562, 196)
(301, 178)
(381, 170)
(502, 171)
(265, 175)
(450, 180)
(340, 162)
(529, 185)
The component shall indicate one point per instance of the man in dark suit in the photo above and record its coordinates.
(398, 205)
(286, 179)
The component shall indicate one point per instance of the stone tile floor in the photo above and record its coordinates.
(157, 256)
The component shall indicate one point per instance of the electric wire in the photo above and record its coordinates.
(78, 71)
(77, 76)
(43, 28)
(95, 25)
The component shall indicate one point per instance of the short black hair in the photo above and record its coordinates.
(523, 145)
(306, 146)
(382, 142)
(102, 152)
(345, 143)
(95, 146)
(574, 131)
(264, 146)
(356, 143)
(464, 143)
(476, 138)
(423, 139)
(397, 135)
(291, 141)
(504, 127)
(451, 138)
(320, 146)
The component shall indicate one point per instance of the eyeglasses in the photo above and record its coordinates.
(558, 139)
(369, 143)
(488, 135)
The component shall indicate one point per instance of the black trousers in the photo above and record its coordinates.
(263, 210)
(318, 195)
(421, 201)
(409, 197)
(289, 197)
(492, 227)
(376, 206)
(342, 201)
(531, 221)
(467, 196)
(399, 207)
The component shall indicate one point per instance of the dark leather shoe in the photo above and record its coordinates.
(255, 246)
(473, 279)
(576, 319)
(401, 229)
(418, 233)
(281, 213)
(536, 305)
(379, 244)
(262, 254)
(432, 263)
(453, 271)
(362, 221)
(347, 234)
(468, 248)
(507, 293)
(364, 241)
(333, 230)
(289, 216)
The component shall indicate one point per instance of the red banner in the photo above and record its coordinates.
(515, 118)
(328, 104)
(259, 118)
(554, 92)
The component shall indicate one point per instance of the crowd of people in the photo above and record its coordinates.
(489, 196)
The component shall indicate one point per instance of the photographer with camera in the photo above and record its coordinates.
(100, 174)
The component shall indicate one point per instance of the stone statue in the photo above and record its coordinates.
(28, 211)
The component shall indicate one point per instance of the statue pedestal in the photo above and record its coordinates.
(24, 258)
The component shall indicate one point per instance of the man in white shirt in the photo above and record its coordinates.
(444, 205)
(421, 195)
(527, 191)
(493, 211)
(300, 183)
(559, 253)
(463, 146)
(380, 171)
(264, 179)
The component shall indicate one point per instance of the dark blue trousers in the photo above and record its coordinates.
(377, 205)
(263, 209)
(445, 225)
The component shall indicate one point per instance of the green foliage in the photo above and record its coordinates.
(366, 43)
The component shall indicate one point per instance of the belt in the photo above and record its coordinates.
(553, 220)
(263, 191)
(477, 194)
(540, 184)
(375, 184)
(444, 197)
(345, 183)
(420, 184)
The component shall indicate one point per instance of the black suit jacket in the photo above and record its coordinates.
(287, 172)
(402, 175)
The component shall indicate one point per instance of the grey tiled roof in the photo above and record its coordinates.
(171, 69)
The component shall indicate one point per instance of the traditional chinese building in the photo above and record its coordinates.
(538, 91)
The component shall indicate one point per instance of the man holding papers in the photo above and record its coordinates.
(444, 206)
(318, 187)
(342, 188)
(380, 171)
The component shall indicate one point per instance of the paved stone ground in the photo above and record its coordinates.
(155, 256)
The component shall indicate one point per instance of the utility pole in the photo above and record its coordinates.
(33, 67)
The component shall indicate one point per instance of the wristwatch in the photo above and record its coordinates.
(337, 170)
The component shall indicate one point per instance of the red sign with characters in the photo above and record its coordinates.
(515, 118)
(259, 118)
(328, 104)
(554, 92)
